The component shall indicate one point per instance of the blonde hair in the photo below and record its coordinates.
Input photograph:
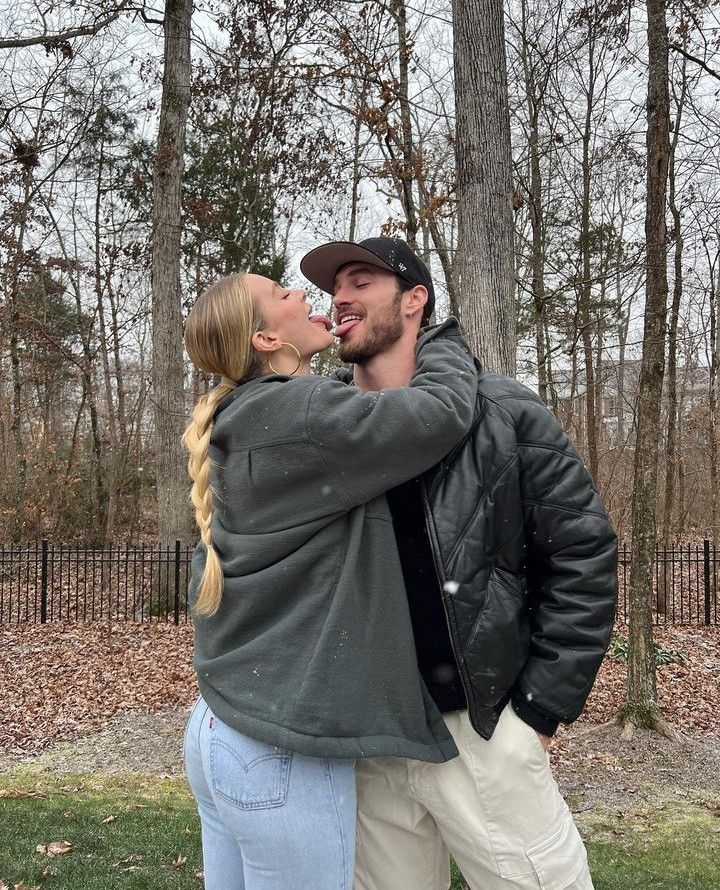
(218, 334)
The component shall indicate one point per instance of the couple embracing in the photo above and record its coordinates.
(405, 581)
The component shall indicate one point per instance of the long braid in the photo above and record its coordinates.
(218, 334)
(197, 442)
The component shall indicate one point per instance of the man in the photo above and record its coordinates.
(510, 567)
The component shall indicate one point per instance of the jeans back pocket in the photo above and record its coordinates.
(251, 775)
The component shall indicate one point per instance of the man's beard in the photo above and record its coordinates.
(378, 337)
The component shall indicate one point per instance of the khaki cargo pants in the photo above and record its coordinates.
(496, 809)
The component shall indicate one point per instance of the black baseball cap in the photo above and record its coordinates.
(321, 265)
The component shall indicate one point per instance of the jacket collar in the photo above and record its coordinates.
(451, 326)
(244, 388)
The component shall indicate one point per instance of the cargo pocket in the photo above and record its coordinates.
(251, 775)
(559, 858)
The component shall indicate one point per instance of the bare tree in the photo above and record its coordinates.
(671, 447)
(485, 261)
(406, 173)
(641, 708)
(538, 35)
(711, 246)
(173, 517)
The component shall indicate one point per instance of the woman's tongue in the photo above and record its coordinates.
(342, 330)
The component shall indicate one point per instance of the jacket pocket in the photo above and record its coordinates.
(251, 775)
(497, 645)
(559, 858)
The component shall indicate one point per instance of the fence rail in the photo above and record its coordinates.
(685, 584)
(49, 582)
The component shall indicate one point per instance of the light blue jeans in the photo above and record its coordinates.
(271, 819)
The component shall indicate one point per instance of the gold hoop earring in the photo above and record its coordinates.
(299, 360)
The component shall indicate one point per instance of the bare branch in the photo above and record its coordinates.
(50, 40)
(692, 58)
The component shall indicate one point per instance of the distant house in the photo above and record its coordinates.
(616, 389)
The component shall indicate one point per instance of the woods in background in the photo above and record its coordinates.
(313, 120)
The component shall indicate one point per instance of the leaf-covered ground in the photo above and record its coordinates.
(687, 690)
(79, 700)
(62, 681)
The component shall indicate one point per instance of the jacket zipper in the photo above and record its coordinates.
(441, 585)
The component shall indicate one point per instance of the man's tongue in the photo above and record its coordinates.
(342, 330)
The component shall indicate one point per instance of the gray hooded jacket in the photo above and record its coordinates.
(311, 649)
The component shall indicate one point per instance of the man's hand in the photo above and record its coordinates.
(544, 739)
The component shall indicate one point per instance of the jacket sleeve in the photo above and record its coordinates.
(371, 442)
(571, 570)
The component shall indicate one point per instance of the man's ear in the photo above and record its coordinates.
(415, 299)
(264, 341)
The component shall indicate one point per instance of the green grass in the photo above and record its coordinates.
(155, 823)
(676, 848)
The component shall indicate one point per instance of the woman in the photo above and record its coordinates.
(302, 632)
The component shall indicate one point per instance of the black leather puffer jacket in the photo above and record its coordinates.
(527, 560)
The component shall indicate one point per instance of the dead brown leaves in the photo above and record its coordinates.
(54, 848)
(687, 692)
(21, 886)
(47, 872)
(61, 681)
(130, 863)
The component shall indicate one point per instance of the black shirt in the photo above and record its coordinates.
(436, 660)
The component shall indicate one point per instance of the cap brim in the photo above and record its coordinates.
(321, 265)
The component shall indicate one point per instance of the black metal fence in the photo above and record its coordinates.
(685, 584)
(49, 582)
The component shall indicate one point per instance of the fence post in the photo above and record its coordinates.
(177, 582)
(706, 560)
(43, 582)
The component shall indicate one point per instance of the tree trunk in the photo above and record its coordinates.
(623, 327)
(585, 290)
(641, 703)
(173, 518)
(12, 284)
(671, 447)
(552, 389)
(485, 265)
(118, 366)
(407, 165)
(111, 452)
(535, 199)
(440, 243)
(97, 486)
(355, 191)
(713, 406)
